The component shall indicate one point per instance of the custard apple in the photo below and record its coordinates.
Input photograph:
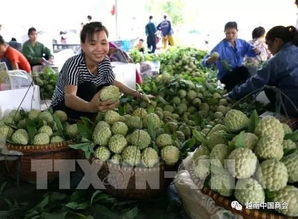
(170, 154)
(176, 100)
(46, 116)
(269, 147)
(72, 130)
(56, 139)
(61, 115)
(101, 136)
(164, 140)
(222, 183)
(33, 114)
(219, 152)
(110, 93)
(287, 129)
(191, 94)
(272, 175)
(201, 150)
(149, 157)
(133, 121)
(16, 115)
(111, 117)
(180, 136)
(140, 138)
(242, 163)
(201, 166)
(289, 145)
(249, 191)
(5, 132)
(46, 129)
(117, 143)
(101, 124)
(20, 136)
(131, 155)
(153, 119)
(116, 159)
(246, 139)
(270, 127)
(289, 196)
(291, 162)
(215, 138)
(119, 128)
(140, 112)
(235, 120)
(102, 153)
(41, 138)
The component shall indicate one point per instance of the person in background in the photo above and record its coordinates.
(118, 55)
(296, 3)
(14, 44)
(280, 72)
(13, 58)
(228, 57)
(167, 32)
(140, 46)
(150, 31)
(36, 52)
(83, 76)
(258, 41)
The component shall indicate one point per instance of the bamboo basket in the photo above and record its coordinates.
(47, 152)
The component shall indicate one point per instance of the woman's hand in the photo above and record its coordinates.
(96, 105)
(147, 98)
(213, 58)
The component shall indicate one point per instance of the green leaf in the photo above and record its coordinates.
(199, 136)
(240, 140)
(32, 130)
(60, 215)
(2, 187)
(131, 214)
(77, 205)
(292, 136)
(151, 129)
(94, 195)
(253, 121)
(100, 211)
(59, 125)
(85, 130)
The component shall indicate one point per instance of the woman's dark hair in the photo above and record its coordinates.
(231, 25)
(150, 17)
(31, 30)
(91, 28)
(287, 34)
(258, 32)
(2, 41)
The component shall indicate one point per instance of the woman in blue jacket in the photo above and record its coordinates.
(280, 73)
(228, 56)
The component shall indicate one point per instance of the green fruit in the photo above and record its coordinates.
(269, 147)
(111, 117)
(249, 191)
(102, 153)
(131, 155)
(289, 196)
(61, 115)
(164, 140)
(140, 112)
(110, 93)
(41, 138)
(117, 143)
(272, 174)
(149, 157)
(133, 121)
(291, 162)
(57, 139)
(116, 159)
(271, 127)
(72, 130)
(235, 120)
(46, 116)
(242, 163)
(140, 138)
(170, 154)
(119, 128)
(46, 129)
(20, 136)
(101, 136)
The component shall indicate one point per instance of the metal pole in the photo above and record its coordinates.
(116, 19)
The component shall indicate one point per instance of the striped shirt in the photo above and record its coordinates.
(74, 72)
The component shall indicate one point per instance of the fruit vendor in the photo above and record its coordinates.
(228, 56)
(13, 58)
(82, 76)
(280, 74)
(35, 51)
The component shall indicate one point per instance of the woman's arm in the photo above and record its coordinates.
(76, 103)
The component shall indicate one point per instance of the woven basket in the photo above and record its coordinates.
(246, 213)
(130, 182)
(50, 151)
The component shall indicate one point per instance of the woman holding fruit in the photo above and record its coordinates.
(279, 74)
(228, 57)
(83, 76)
